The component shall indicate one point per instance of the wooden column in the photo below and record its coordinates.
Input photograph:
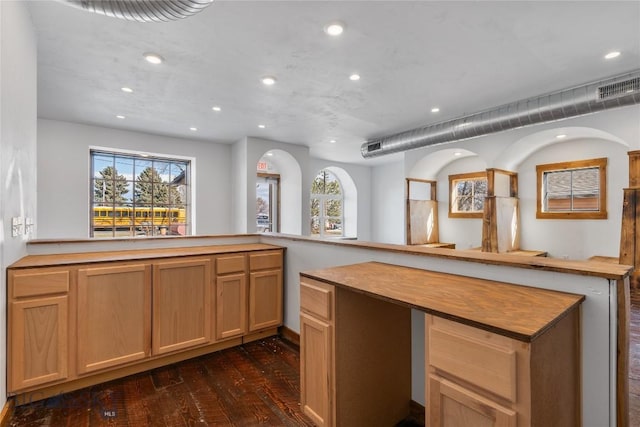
(498, 234)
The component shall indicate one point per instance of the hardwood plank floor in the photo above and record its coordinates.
(255, 384)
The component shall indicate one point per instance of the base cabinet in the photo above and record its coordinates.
(181, 304)
(316, 379)
(475, 377)
(75, 325)
(38, 343)
(114, 316)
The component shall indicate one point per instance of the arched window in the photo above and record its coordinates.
(327, 205)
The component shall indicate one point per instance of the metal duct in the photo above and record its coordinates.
(589, 98)
(142, 10)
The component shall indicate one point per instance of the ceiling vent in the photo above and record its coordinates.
(618, 91)
(142, 10)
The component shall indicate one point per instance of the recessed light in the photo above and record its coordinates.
(120, 116)
(127, 89)
(435, 110)
(561, 136)
(334, 28)
(457, 153)
(153, 58)
(333, 141)
(612, 55)
(216, 108)
(269, 154)
(354, 77)
(269, 80)
(261, 126)
(193, 129)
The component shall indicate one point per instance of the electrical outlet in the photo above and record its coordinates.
(16, 226)
(28, 225)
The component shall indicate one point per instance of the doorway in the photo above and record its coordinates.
(268, 203)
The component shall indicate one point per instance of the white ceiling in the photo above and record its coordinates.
(412, 55)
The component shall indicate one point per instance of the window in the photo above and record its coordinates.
(135, 195)
(572, 190)
(467, 193)
(327, 201)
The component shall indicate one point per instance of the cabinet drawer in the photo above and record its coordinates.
(316, 298)
(265, 260)
(39, 282)
(230, 264)
(479, 362)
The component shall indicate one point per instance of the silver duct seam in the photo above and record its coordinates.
(142, 10)
(618, 91)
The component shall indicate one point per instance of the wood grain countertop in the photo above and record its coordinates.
(135, 254)
(516, 311)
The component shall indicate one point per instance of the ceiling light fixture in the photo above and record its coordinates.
(612, 55)
(354, 77)
(457, 153)
(561, 136)
(127, 89)
(435, 110)
(268, 80)
(261, 126)
(334, 28)
(153, 58)
(120, 116)
(193, 129)
(333, 141)
(269, 154)
(216, 108)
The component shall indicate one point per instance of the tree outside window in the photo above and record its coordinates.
(327, 205)
(467, 193)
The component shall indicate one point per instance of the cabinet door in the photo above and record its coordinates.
(181, 304)
(114, 316)
(316, 372)
(265, 299)
(38, 341)
(452, 405)
(231, 305)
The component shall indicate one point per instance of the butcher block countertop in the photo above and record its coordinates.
(516, 311)
(136, 254)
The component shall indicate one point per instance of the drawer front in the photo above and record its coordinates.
(39, 282)
(316, 298)
(265, 260)
(483, 364)
(230, 264)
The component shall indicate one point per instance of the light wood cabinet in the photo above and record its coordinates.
(479, 378)
(76, 320)
(114, 316)
(231, 296)
(355, 357)
(39, 323)
(181, 304)
(511, 357)
(265, 290)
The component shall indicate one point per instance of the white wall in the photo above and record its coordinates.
(605, 134)
(239, 185)
(18, 111)
(387, 203)
(64, 168)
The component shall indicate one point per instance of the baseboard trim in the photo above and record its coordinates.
(290, 335)
(7, 412)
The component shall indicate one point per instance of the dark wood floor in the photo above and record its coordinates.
(255, 384)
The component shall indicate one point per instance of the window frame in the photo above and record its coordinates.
(148, 214)
(600, 163)
(322, 201)
(471, 176)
